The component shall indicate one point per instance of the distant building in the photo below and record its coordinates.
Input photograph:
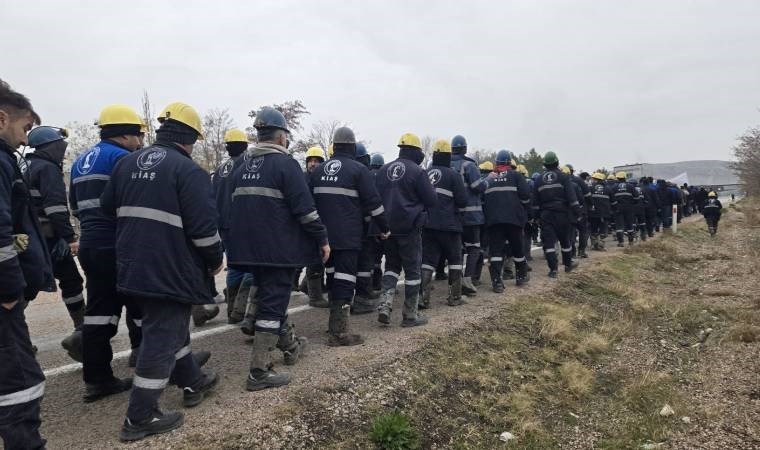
(714, 174)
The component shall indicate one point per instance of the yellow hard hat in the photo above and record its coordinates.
(118, 114)
(621, 175)
(235, 135)
(565, 170)
(143, 126)
(183, 113)
(712, 194)
(598, 176)
(410, 140)
(522, 169)
(610, 177)
(330, 151)
(488, 165)
(442, 146)
(315, 152)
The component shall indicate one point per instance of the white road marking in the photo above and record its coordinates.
(68, 368)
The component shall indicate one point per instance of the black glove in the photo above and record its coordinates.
(60, 251)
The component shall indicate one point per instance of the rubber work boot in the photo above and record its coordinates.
(203, 313)
(570, 267)
(316, 297)
(73, 342)
(240, 300)
(261, 375)
(427, 286)
(594, 242)
(602, 240)
(364, 305)
(507, 273)
(291, 346)
(96, 391)
(193, 396)
(385, 307)
(468, 288)
(552, 273)
(455, 288)
(230, 294)
(496, 270)
(339, 328)
(159, 422)
(247, 325)
(522, 274)
(631, 236)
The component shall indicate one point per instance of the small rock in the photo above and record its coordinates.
(574, 415)
(288, 429)
(666, 411)
(652, 445)
(686, 419)
(506, 436)
(663, 342)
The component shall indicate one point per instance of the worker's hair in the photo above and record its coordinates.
(268, 134)
(14, 103)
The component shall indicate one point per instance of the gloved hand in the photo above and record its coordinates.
(20, 242)
(60, 250)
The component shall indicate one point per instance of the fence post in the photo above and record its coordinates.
(675, 218)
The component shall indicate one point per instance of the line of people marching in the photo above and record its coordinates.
(155, 228)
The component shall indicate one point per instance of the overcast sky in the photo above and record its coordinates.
(600, 82)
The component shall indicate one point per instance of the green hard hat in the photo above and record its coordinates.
(550, 158)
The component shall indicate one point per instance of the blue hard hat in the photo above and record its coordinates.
(268, 117)
(361, 150)
(377, 160)
(503, 157)
(458, 141)
(44, 135)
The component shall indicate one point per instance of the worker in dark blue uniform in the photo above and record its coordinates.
(121, 133)
(507, 198)
(315, 273)
(235, 142)
(366, 298)
(473, 213)
(442, 235)
(639, 211)
(168, 249)
(711, 211)
(626, 197)
(407, 193)
(25, 270)
(273, 244)
(344, 193)
(554, 203)
(376, 162)
(600, 206)
(43, 170)
(652, 204)
(581, 224)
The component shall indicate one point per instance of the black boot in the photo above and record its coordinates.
(193, 396)
(240, 301)
(455, 288)
(495, 269)
(521, 267)
(203, 313)
(338, 328)
(292, 346)
(427, 286)
(261, 375)
(96, 391)
(316, 297)
(159, 422)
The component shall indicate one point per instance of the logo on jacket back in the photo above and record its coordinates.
(254, 164)
(622, 187)
(599, 189)
(549, 177)
(87, 162)
(395, 171)
(435, 176)
(332, 167)
(226, 168)
(150, 159)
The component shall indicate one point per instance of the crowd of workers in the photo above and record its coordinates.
(155, 227)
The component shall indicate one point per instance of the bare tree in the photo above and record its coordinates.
(147, 116)
(210, 152)
(322, 132)
(82, 136)
(482, 155)
(747, 164)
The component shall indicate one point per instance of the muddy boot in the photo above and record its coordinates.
(496, 268)
(247, 325)
(507, 273)
(385, 307)
(602, 240)
(316, 297)
(292, 347)
(478, 270)
(455, 288)
(631, 236)
(377, 279)
(203, 313)
(338, 328)
(521, 267)
(468, 288)
(594, 242)
(73, 342)
(427, 286)
(261, 375)
(240, 300)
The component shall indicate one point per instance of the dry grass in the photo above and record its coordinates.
(577, 378)
(744, 333)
